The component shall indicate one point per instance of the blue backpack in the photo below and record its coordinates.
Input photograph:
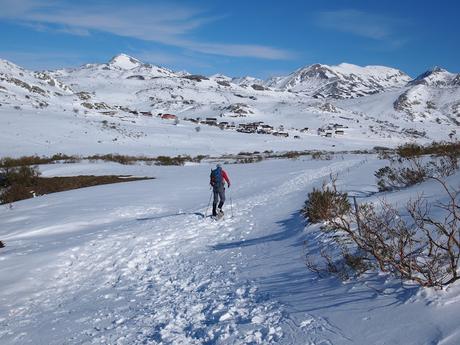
(216, 177)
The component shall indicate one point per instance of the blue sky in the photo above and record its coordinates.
(237, 38)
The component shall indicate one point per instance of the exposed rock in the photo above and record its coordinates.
(195, 77)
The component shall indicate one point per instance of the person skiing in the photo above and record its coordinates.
(217, 180)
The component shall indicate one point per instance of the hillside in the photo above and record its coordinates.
(115, 107)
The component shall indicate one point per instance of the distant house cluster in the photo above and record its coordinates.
(258, 127)
(212, 121)
(134, 112)
(261, 128)
(332, 129)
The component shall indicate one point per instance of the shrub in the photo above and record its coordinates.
(199, 158)
(291, 155)
(410, 150)
(321, 155)
(9, 162)
(253, 159)
(325, 203)
(2, 245)
(412, 165)
(122, 159)
(166, 160)
(435, 148)
(18, 182)
(14, 193)
(415, 246)
(391, 177)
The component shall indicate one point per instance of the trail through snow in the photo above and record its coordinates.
(152, 275)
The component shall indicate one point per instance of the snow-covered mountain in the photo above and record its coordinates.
(38, 89)
(247, 81)
(432, 94)
(437, 77)
(114, 105)
(342, 81)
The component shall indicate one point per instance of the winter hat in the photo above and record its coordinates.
(218, 165)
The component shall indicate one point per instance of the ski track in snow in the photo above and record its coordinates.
(145, 282)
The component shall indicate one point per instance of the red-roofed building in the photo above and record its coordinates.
(168, 116)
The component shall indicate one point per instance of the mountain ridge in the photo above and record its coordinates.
(375, 104)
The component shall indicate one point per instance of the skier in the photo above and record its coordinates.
(217, 181)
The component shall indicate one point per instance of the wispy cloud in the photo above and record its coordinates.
(156, 22)
(364, 24)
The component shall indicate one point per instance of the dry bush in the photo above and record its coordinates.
(435, 148)
(166, 160)
(414, 164)
(122, 159)
(9, 162)
(415, 246)
(25, 187)
(321, 155)
(18, 182)
(402, 175)
(325, 203)
(247, 160)
(291, 154)
(14, 193)
(199, 158)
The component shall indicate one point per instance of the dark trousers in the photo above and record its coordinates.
(219, 197)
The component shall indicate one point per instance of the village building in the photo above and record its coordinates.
(168, 116)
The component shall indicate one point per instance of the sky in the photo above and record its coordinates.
(236, 38)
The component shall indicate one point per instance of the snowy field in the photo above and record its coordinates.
(47, 133)
(136, 263)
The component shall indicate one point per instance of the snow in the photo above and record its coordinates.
(316, 79)
(437, 76)
(124, 61)
(95, 109)
(136, 263)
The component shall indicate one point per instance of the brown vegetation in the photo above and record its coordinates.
(413, 246)
(25, 182)
(413, 164)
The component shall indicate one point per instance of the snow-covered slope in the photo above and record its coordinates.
(255, 83)
(136, 263)
(341, 81)
(37, 89)
(113, 107)
(424, 102)
(437, 77)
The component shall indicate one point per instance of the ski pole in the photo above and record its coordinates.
(207, 208)
(231, 203)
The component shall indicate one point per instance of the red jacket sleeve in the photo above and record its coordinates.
(225, 176)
